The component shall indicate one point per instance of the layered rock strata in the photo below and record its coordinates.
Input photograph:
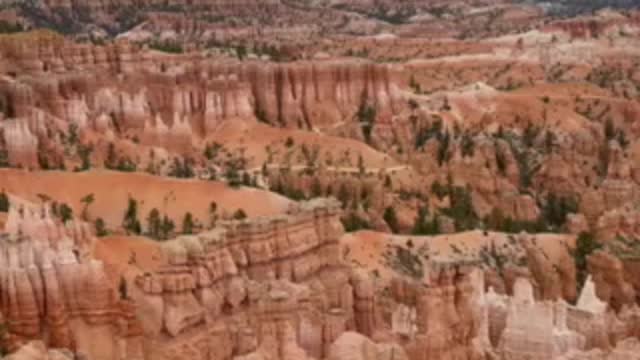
(273, 288)
(52, 290)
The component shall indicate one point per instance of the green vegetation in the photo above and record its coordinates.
(100, 227)
(408, 263)
(182, 169)
(585, 245)
(239, 215)
(10, 28)
(353, 222)
(122, 288)
(119, 163)
(556, 209)
(167, 46)
(425, 134)
(154, 224)
(497, 221)
(130, 222)
(461, 208)
(467, 145)
(4, 202)
(424, 226)
(84, 152)
(65, 212)
(87, 200)
(366, 117)
(188, 224)
(391, 219)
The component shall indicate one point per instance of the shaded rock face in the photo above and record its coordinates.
(51, 289)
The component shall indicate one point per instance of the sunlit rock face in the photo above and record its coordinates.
(272, 288)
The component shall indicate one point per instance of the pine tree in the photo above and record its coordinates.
(343, 195)
(130, 222)
(188, 224)
(66, 213)
(391, 218)
(239, 214)
(100, 227)
(154, 223)
(213, 216)
(167, 227)
(122, 288)
(4, 202)
(87, 200)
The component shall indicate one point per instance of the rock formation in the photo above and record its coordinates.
(267, 288)
(52, 290)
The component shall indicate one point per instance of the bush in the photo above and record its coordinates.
(66, 213)
(4, 202)
(188, 223)
(167, 46)
(366, 117)
(585, 245)
(556, 209)
(461, 209)
(353, 222)
(239, 214)
(422, 225)
(100, 227)
(130, 221)
(391, 218)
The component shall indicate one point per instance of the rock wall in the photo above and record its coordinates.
(173, 101)
(51, 290)
(273, 287)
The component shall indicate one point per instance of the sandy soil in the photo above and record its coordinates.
(128, 255)
(112, 190)
(256, 137)
(366, 249)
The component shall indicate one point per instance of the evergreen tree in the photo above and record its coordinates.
(154, 224)
(585, 245)
(467, 145)
(352, 222)
(4, 202)
(130, 222)
(344, 195)
(443, 148)
(422, 225)
(391, 218)
(66, 213)
(366, 117)
(87, 200)
(84, 152)
(100, 227)
(239, 214)
(122, 288)
(387, 181)
(167, 227)
(213, 216)
(188, 224)
(501, 160)
(609, 129)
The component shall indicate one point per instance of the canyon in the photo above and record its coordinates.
(343, 180)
